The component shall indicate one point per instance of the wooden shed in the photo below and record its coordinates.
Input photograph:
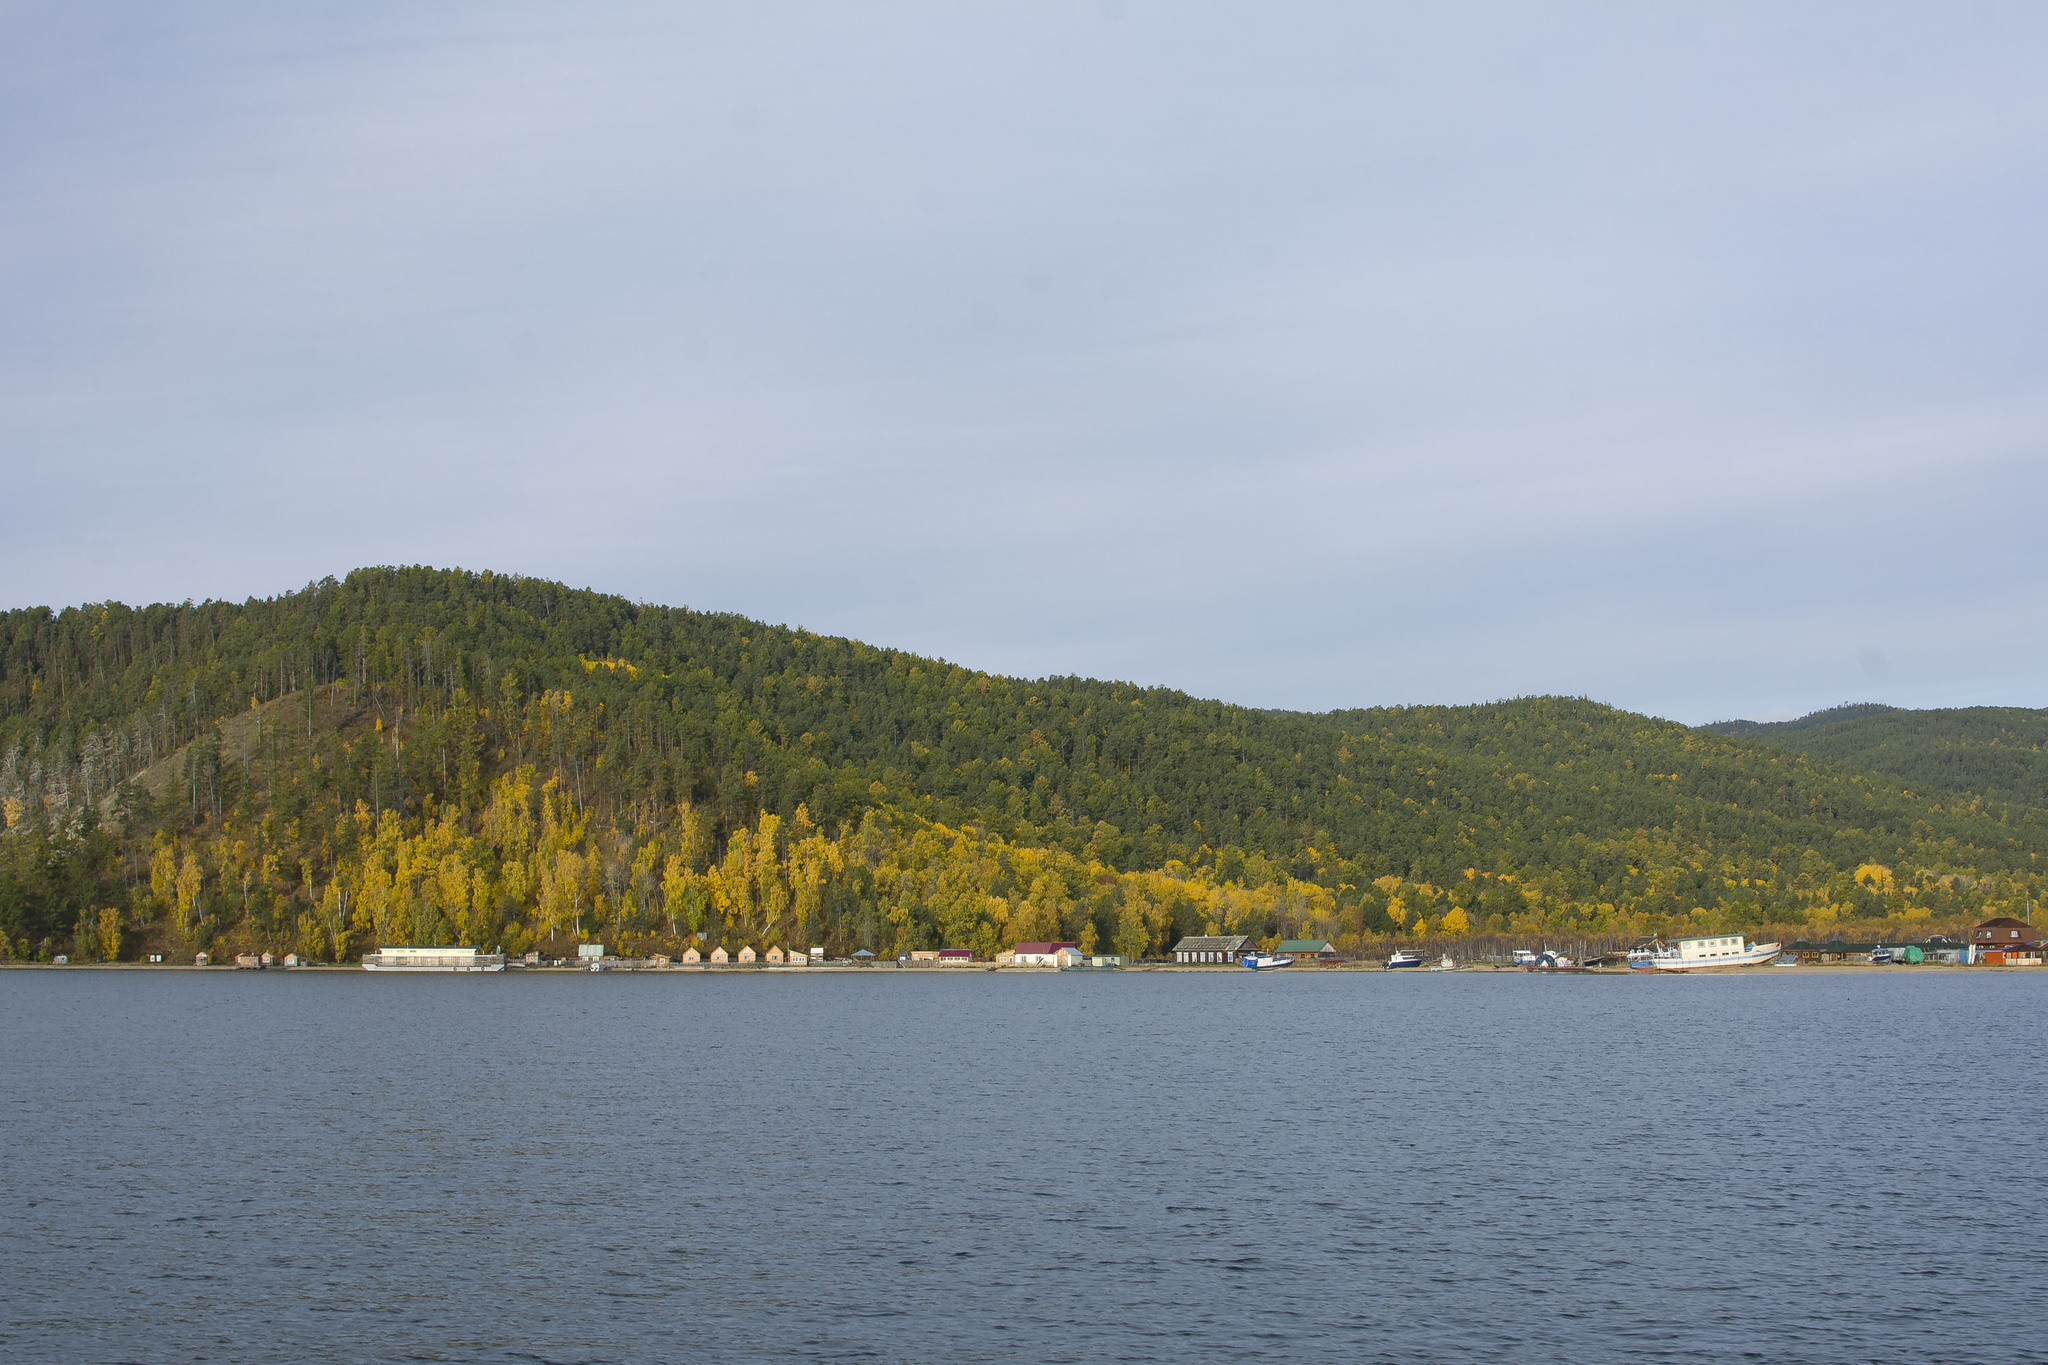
(1200, 949)
(719, 955)
(692, 956)
(746, 952)
(774, 956)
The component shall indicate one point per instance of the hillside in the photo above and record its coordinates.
(423, 754)
(1998, 752)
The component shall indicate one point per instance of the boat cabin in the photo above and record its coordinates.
(1709, 949)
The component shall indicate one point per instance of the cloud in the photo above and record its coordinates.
(1314, 356)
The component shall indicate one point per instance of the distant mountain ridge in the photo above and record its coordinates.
(1999, 753)
(424, 754)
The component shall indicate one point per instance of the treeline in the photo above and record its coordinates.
(411, 753)
(1996, 752)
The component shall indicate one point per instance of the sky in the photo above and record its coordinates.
(1689, 357)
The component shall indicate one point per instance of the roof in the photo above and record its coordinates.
(1211, 943)
(2005, 922)
(1043, 948)
(862, 952)
(1835, 945)
(1305, 945)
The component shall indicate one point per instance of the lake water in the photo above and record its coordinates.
(904, 1166)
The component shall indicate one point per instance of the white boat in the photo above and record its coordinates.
(1449, 964)
(1265, 962)
(1402, 957)
(1525, 957)
(1701, 954)
(432, 960)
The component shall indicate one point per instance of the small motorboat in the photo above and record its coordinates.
(1265, 962)
(1402, 957)
(1525, 957)
(1449, 964)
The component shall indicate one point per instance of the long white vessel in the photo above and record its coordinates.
(432, 960)
(1700, 954)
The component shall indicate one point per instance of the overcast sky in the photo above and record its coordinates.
(1693, 358)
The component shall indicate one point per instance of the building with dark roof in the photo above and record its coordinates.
(1211, 948)
(2003, 932)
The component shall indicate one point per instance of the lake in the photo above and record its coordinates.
(925, 1166)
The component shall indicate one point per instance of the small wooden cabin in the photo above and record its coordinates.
(1201, 949)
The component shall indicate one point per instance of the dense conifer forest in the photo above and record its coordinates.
(2000, 752)
(417, 755)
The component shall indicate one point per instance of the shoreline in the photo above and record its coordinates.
(836, 969)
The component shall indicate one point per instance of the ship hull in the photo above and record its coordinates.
(1753, 957)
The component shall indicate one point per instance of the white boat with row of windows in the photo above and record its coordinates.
(408, 959)
(1700, 954)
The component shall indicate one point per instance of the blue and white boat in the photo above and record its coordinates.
(1265, 962)
(1403, 957)
(1701, 954)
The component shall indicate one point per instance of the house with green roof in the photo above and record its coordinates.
(1312, 949)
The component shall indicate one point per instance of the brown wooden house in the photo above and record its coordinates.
(2003, 932)
(1216, 948)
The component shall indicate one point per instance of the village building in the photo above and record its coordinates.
(956, 957)
(1310, 949)
(719, 956)
(773, 956)
(924, 955)
(2006, 942)
(1069, 956)
(747, 953)
(1201, 949)
(1037, 954)
(2003, 932)
(692, 956)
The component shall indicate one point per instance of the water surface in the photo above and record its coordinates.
(922, 1166)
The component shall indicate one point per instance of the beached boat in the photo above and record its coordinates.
(1700, 954)
(1402, 957)
(1449, 964)
(1265, 962)
(432, 960)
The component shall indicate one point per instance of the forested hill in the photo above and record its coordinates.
(1998, 752)
(423, 754)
